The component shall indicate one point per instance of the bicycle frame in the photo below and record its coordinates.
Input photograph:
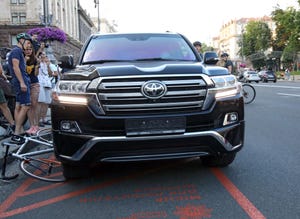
(20, 155)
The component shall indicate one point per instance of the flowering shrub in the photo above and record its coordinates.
(243, 65)
(49, 34)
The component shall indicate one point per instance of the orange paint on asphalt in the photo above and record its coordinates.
(21, 190)
(239, 197)
(13, 197)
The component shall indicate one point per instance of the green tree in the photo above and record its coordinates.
(256, 39)
(287, 34)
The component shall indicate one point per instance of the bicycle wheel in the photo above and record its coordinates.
(45, 135)
(249, 93)
(45, 169)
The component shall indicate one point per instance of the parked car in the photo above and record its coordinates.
(267, 75)
(250, 76)
(144, 96)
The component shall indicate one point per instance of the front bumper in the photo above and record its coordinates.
(140, 148)
(103, 138)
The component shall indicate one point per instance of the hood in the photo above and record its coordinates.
(89, 72)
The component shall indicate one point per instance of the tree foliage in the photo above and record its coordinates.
(256, 38)
(287, 33)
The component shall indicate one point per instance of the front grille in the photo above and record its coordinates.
(123, 95)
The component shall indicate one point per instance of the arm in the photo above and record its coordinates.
(18, 74)
(1, 73)
(230, 68)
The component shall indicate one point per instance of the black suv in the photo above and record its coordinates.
(144, 96)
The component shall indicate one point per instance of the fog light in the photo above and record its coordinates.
(230, 118)
(69, 126)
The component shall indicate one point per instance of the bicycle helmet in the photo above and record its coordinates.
(197, 43)
(25, 36)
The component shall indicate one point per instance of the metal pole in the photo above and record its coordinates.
(98, 17)
(97, 5)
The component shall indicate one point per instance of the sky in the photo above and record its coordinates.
(196, 19)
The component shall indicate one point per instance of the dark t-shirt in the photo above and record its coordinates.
(228, 63)
(17, 53)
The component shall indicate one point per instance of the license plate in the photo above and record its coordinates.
(154, 126)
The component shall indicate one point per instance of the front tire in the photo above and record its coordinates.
(221, 160)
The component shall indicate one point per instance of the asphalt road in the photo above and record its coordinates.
(263, 181)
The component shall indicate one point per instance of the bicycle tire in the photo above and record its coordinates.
(44, 169)
(249, 93)
(45, 135)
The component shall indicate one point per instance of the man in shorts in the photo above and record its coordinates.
(20, 82)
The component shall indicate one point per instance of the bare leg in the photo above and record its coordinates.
(33, 113)
(20, 118)
(43, 111)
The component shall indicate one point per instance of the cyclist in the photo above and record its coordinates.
(20, 82)
(227, 62)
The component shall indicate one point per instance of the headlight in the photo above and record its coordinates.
(224, 81)
(71, 86)
(225, 86)
(71, 92)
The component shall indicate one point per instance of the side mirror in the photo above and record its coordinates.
(66, 61)
(210, 58)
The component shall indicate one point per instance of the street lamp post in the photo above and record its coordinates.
(97, 5)
(242, 44)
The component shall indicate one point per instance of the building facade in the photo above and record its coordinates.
(21, 15)
(231, 33)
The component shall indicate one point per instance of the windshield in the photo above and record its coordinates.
(137, 47)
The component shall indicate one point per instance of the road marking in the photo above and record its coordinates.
(21, 190)
(277, 86)
(239, 197)
(292, 95)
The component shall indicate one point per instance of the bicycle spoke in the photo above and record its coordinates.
(46, 169)
(249, 93)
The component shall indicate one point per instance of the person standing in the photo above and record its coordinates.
(45, 89)
(37, 46)
(32, 69)
(3, 106)
(21, 83)
(287, 74)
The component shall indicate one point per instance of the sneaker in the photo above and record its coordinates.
(17, 139)
(41, 124)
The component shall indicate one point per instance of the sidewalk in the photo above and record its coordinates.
(293, 78)
(13, 148)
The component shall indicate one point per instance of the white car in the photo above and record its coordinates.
(250, 76)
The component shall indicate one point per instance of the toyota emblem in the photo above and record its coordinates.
(154, 89)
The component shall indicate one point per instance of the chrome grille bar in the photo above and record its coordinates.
(123, 95)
